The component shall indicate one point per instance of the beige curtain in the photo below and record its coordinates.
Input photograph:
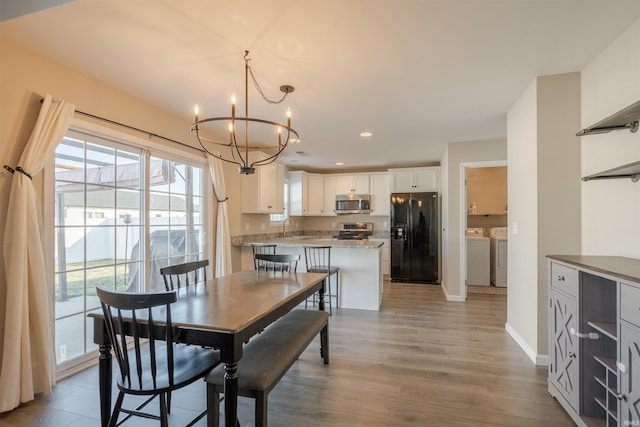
(223, 237)
(28, 360)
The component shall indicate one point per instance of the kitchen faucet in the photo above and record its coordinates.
(284, 226)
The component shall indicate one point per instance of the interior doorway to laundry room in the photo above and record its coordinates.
(484, 220)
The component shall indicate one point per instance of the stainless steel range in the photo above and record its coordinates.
(354, 231)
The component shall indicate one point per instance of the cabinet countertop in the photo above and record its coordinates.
(616, 266)
(310, 240)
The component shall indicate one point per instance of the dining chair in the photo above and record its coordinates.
(276, 262)
(261, 248)
(175, 275)
(158, 366)
(318, 260)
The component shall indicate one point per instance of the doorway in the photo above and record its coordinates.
(483, 207)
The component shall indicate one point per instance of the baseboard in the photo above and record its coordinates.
(453, 298)
(542, 359)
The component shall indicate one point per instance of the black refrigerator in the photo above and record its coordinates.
(415, 237)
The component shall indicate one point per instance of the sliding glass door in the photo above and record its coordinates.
(120, 215)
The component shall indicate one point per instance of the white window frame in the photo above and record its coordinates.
(155, 147)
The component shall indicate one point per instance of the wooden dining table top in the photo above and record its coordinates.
(235, 301)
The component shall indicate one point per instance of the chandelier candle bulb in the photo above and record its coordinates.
(196, 110)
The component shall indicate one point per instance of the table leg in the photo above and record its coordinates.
(321, 295)
(104, 379)
(230, 394)
(324, 344)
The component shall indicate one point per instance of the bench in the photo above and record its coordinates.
(266, 358)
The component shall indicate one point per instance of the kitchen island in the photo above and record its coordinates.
(360, 263)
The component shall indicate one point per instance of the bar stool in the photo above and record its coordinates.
(263, 249)
(318, 260)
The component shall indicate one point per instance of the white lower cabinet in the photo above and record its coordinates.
(594, 338)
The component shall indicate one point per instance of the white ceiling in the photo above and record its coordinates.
(416, 73)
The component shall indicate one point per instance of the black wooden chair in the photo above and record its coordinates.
(157, 367)
(262, 248)
(176, 275)
(277, 262)
(318, 260)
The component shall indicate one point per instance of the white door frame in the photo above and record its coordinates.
(463, 214)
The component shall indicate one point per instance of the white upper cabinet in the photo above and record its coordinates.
(380, 194)
(352, 184)
(306, 194)
(329, 195)
(263, 191)
(415, 180)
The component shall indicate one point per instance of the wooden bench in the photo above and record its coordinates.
(266, 358)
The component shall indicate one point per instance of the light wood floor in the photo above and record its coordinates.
(420, 361)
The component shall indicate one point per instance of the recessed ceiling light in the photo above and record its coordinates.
(339, 163)
(365, 134)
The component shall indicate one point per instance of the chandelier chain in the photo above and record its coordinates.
(259, 89)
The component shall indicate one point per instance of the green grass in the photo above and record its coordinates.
(102, 275)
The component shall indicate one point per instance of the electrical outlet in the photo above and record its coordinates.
(63, 352)
(246, 226)
(333, 225)
(263, 226)
(514, 228)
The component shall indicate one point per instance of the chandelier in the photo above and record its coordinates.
(238, 129)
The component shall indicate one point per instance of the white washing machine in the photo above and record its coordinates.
(477, 257)
(499, 248)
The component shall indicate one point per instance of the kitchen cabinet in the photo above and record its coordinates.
(487, 190)
(594, 338)
(329, 196)
(306, 194)
(386, 254)
(380, 194)
(263, 191)
(415, 180)
(352, 184)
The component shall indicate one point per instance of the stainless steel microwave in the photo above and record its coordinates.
(353, 204)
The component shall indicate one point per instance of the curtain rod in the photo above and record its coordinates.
(150, 134)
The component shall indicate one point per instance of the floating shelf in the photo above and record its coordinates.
(627, 118)
(631, 170)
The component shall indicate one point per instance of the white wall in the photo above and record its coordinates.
(611, 208)
(456, 154)
(544, 200)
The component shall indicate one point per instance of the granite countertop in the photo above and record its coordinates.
(298, 241)
(616, 266)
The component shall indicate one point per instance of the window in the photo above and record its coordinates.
(277, 219)
(120, 215)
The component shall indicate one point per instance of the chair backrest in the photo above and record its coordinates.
(132, 312)
(176, 275)
(262, 248)
(280, 262)
(317, 257)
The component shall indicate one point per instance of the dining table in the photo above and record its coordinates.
(223, 313)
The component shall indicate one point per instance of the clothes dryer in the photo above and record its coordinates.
(498, 256)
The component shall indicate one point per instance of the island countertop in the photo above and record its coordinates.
(299, 241)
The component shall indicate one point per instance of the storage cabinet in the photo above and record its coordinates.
(594, 338)
(563, 364)
(263, 191)
(306, 194)
(415, 180)
(352, 184)
(380, 194)
(329, 195)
